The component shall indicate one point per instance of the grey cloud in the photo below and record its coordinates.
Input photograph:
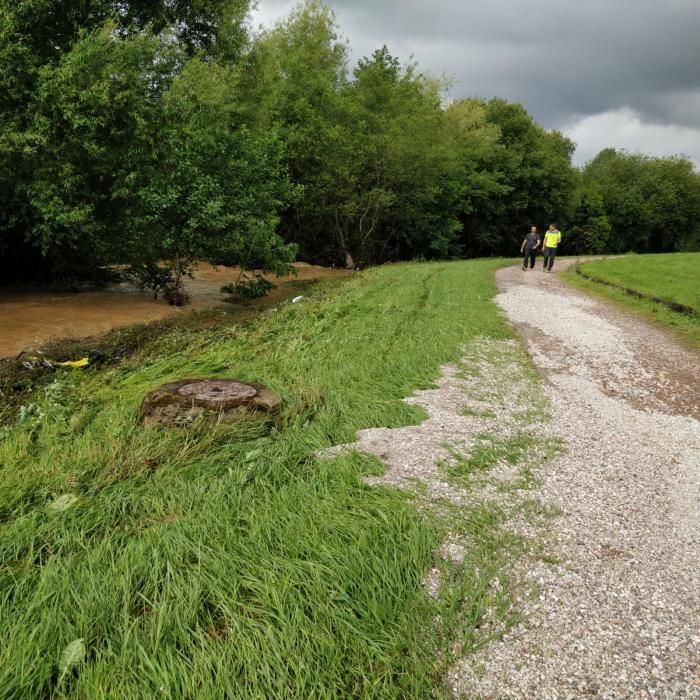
(679, 107)
(624, 129)
(563, 60)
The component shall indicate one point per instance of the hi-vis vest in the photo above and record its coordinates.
(552, 239)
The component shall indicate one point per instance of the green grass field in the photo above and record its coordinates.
(229, 562)
(674, 277)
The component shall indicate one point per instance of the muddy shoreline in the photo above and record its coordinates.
(106, 340)
(31, 318)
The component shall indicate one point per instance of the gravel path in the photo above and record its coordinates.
(619, 617)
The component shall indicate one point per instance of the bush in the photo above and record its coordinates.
(247, 289)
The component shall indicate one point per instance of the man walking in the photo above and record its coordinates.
(529, 247)
(551, 240)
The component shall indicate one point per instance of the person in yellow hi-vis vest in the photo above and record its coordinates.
(551, 240)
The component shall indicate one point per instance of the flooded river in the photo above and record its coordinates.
(30, 318)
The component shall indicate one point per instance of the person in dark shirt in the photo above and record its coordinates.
(529, 247)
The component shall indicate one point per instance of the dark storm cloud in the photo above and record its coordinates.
(565, 61)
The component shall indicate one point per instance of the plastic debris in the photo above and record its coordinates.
(75, 364)
(34, 362)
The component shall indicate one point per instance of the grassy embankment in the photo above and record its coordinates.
(673, 277)
(18, 382)
(229, 562)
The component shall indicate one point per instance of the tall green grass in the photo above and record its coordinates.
(229, 562)
(673, 277)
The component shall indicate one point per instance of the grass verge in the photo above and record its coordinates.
(229, 562)
(672, 277)
(489, 538)
(22, 377)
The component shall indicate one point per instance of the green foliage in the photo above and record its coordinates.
(671, 277)
(199, 562)
(475, 142)
(247, 289)
(35, 35)
(152, 276)
(370, 151)
(588, 230)
(144, 133)
(90, 137)
(408, 201)
(528, 181)
(653, 204)
(212, 187)
(72, 655)
(387, 171)
(301, 68)
(130, 142)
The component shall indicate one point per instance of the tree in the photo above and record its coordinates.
(154, 134)
(212, 189)
(372, 153)
(588, 230)
(475, 141)
(653, 204)
(37, 40)
(409, 176)
(537, 182)
(294, 79)
(140, 156)
(90, 137)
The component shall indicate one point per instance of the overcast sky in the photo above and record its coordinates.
(621, 73)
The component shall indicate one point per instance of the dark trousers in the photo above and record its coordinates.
(549, 255)
(530, 255)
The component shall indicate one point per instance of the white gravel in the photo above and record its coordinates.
(620, 617)
(413, 454)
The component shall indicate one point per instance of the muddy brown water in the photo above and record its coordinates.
(30, 318)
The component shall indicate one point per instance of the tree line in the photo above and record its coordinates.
(143, 136)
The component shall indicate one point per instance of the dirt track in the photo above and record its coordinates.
(619, 617)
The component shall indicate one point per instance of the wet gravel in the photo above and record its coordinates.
(619, 616)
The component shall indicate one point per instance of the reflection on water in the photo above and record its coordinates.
(30, 318)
